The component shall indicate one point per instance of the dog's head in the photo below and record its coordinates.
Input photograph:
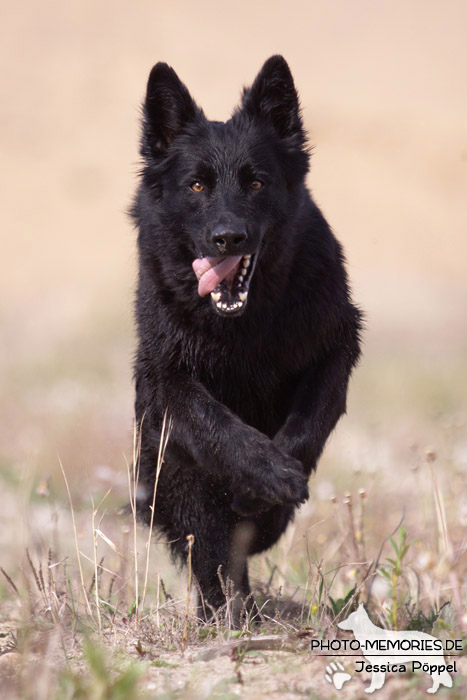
(220, 192)
(355, 620)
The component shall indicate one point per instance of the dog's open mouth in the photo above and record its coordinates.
(227, 280)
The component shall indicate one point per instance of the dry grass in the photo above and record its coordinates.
(71, 603)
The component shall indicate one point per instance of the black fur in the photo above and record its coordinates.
(253, 397)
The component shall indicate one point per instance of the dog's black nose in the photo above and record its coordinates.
(229, 240)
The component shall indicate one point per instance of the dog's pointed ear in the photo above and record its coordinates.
(273, 96)
(168, 107)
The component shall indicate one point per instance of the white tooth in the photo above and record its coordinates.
(246, 261)
(224, 306)
(243, 270)
(216, 295)
(240, 278)
(247, 257)
(242, 296)
(219, 305)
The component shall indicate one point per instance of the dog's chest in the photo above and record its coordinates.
(249, 380)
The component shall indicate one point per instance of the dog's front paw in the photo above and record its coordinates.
(282, 481)
(265, 477)
(292, 483)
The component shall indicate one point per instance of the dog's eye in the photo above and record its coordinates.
(197, 186)
(256, 184)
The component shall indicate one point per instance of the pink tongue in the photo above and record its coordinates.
(211, 271)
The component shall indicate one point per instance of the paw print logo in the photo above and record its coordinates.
(337, 675)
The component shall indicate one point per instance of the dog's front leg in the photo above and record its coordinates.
(221, 443)
(319, 401)
(377, 681)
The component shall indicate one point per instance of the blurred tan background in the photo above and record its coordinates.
(383, 89)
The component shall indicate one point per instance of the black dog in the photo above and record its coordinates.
(252, 359)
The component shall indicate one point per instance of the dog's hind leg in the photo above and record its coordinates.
(438, 677)
(435, 685)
